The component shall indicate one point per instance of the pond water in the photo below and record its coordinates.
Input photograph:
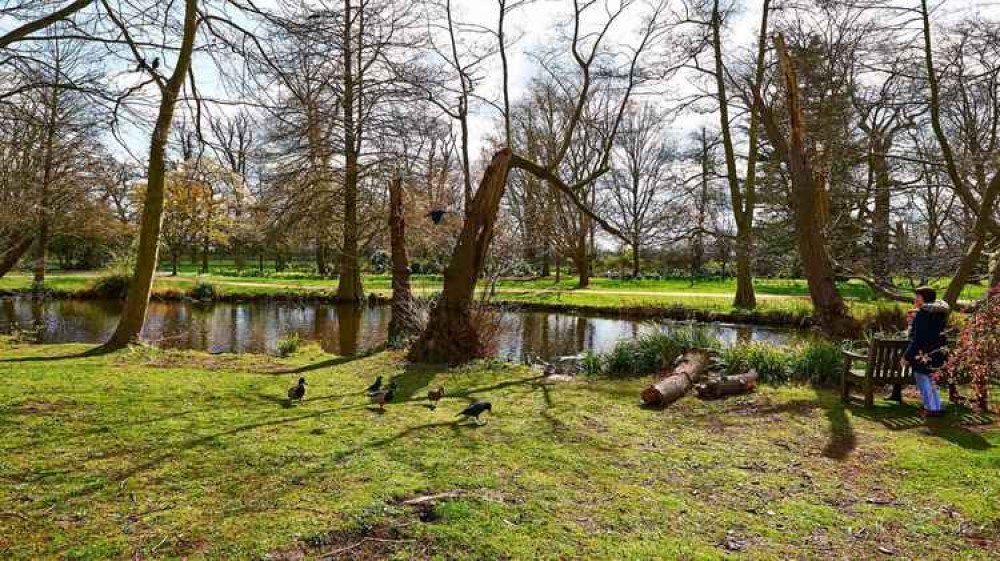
(256, 327)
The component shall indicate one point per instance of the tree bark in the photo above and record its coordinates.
(974, 252)
(44, 202)
(349, 289)
(830, 312)
(881, 214)
(742, 197)
(727, 385)
(134, 314)
(690, 368)
(450, 335)
(401, 325)
(14, 253)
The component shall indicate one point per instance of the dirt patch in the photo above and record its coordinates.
(41, 407)
(379, 542)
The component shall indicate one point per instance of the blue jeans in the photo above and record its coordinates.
(928, 390)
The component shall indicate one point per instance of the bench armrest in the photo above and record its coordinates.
(854, 355)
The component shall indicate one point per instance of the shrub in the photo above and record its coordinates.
(202, 291)
(288, 345)
(976, 357)
(818, 363)
(113, 286)
(768, 360)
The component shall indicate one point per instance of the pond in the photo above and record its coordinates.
(256, 327)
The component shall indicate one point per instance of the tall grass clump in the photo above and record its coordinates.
(649, 352)
(769, 361)
(816, 362)
(202, 291)
(111, 285)
(288, 345)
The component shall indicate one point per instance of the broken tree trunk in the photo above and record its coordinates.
(450, 335)
(401, 326)
(14, 253)
(727, 385)
(689, 369)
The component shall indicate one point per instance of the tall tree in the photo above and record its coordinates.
(134, 313)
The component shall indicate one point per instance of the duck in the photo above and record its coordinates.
(382, 397)
(298, 391)
(376, 386)
(435, 396)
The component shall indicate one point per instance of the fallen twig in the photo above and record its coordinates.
(431, 498)
(336, 552)
(12, 514)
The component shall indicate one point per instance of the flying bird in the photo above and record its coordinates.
(475, 410)
(435, 396)
(376, 386)
(298, 391)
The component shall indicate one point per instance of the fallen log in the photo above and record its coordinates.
(689, 369)
(727, 385)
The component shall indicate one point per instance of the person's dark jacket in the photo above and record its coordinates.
(927, 336)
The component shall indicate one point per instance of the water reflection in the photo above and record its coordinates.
(340, 329)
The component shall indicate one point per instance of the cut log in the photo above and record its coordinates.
(689, 369)
(727, 385)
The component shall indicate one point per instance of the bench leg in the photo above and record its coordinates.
(897, 393)
(845, 389)
(869, 392)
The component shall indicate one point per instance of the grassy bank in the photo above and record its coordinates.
(153, 454)
(781, 302)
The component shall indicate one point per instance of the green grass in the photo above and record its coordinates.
(155, 454)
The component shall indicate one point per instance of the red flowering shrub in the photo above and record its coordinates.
(976, 357)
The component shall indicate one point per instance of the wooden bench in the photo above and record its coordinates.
(882, 367)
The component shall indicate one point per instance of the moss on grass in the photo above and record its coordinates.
(166, 454)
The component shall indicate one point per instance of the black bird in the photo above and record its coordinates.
(156, 63)
(437, 215)
(376, 386)
(476, 409)
(298, 391)
(141, 65)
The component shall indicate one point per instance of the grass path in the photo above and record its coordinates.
(154, 454)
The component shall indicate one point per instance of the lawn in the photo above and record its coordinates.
(154, 454)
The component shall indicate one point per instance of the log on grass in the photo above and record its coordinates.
(689, 369)
(727, 385)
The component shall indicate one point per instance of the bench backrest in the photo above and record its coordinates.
(883, 359)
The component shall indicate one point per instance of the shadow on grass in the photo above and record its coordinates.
(953, 427)
(89, 353)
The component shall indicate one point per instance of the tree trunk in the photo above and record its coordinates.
(134, 314)
(44, 212)
(204, 256)
(450, 335)
(349, 289)
(830, 312)
(174, 257)
(745, 296)
(321, 269)
(582, 259)
(727, 385)
(401, 325)
(635, 260)
(975, 250)
(689, 369)
(882, 211)
(14, 253)
(994, 277)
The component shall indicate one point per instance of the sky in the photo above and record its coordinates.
(530, 28)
